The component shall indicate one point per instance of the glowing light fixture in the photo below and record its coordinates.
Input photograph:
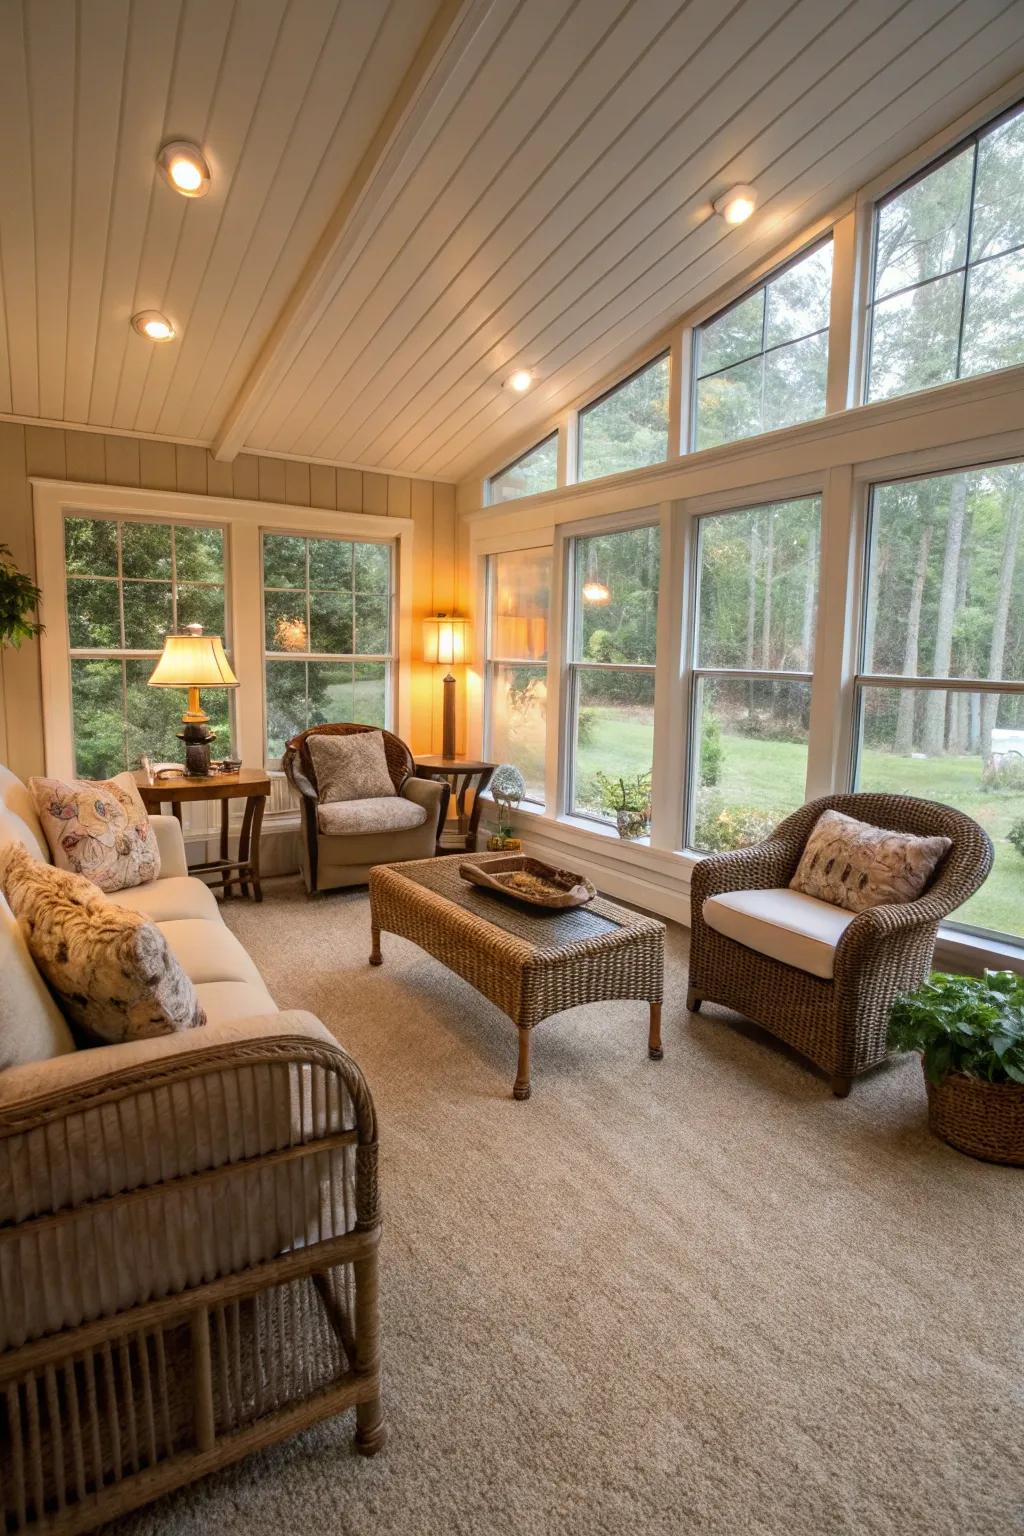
(520, 381)
(595, 592)
(153, 325)
(736, 205)
(446, 644)
(193, 660)
(185, 169)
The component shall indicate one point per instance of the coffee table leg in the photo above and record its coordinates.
(654, 1049)
(521, 1089)
(376, 958)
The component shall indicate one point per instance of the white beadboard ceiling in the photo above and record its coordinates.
(410, 197)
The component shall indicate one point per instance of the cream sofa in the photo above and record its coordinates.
(188, 1224)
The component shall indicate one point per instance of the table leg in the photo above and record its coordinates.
(252, 851)
(521, 1090)
(224, 807)
(376, 958)
(654, 1049)
(176, 810)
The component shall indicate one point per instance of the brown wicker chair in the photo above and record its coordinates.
(841, 1023)
(329, 859)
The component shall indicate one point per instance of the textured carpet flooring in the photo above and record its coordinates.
(695, 1296)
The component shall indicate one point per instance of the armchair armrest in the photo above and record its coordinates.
(433, 794)
(171, 844)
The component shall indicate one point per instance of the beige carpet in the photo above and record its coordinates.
(698, 1296)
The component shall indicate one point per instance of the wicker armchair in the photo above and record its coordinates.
(330, 859)
(839, 1022)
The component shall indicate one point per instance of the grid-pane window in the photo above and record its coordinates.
(753, 650)
(941, 683)
(534, 471)
(518, 599)
(327, 620)
(948, 280)
(612, 653)
(128, 584)
(628, 427)
(762, 364)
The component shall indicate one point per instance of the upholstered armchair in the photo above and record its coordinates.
(815, 975)
(344, 839)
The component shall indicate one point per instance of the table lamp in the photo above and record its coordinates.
(446, 644)
(193, 660)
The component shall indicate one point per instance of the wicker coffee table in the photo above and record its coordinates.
(530, 964)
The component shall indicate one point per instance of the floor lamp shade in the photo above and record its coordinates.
(446, 644)
(193, 660)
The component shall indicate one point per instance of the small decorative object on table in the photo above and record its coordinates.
(970, 1033)
(530, 881)
(507, 790)
(630, 800)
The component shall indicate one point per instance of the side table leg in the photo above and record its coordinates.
(253, 849)
(654, 1049)
(241, 871)
(521, 1090)
(376, 958)
(226, 891)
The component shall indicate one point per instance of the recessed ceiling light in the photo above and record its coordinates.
(520, 381)
(185, 169)
(153, 325)
(736, 205)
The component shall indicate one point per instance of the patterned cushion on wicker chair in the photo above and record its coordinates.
(799, 930)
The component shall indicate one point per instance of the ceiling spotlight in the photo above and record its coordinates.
(736, 205)
(152, 324)
(520, 381)
(185, 169)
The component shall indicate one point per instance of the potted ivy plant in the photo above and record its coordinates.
(628, 800)
(969, 1031)
(19, 599)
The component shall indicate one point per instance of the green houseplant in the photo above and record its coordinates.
(969, 1031)
(19, 599)
(629, 800)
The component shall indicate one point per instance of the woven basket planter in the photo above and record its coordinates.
(983, 1119)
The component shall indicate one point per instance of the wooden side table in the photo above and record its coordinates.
(463, 774)
(247, 784)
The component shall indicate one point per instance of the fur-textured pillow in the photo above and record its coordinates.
(98, 828)
(351, 767)
(110, 969)
(856, 866)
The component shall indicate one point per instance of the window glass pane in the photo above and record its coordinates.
(535, 471)
(914, 339)
(520, 598)
(90, 546)
(146, 549)
(287, 703)
(759, 587)
(201, 605)
(946, 585)
(97, 715)
(284, 560)
(614, 733)
(94, 614)
(629, 428)
(616, 576)
(998, 206)
(734, 336)
(799, 298)
(331, 691)
(148, 614)
(371, 625)
(750, 765)
(330, 563)
(516, 726)
(978, 767)
(923, 232)
(284, 615)
(369, 693)
(795, 377)
(729, 405)
(993, 333)
(199, 554)
(373, 568)
(330, 623)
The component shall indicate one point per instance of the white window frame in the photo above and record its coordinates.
(492, 661)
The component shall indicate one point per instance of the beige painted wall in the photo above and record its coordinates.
(56, 454)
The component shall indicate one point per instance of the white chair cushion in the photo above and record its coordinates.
(348, 818)
(163, 901)
(208, 951)
(227, 1001)
(786, 925)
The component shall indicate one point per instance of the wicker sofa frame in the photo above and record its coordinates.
(841, 1025)
(99, 1418)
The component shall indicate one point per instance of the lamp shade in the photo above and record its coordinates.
(445, 639)
(193, 661)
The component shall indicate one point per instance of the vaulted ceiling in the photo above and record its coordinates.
(412, 197)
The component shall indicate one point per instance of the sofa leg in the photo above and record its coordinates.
(693, 1002)
(841, 1085)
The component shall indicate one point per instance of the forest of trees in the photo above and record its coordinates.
(536, 471)
(628, 429)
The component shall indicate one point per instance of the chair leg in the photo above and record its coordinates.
(841, 1085)
(693, 1002)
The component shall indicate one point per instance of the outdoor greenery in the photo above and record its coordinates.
(968, 1024)
(536, 471)
(628, 428)
(19, 599)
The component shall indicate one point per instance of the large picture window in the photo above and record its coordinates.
(518, 599)
(948, 279)
(628, 427)
(328, 633)
(753, 651)
(763, 363)
(941, 685)
(128, 583)
(532, 472)
(612, 651)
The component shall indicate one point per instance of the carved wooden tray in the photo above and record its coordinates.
(528, 880)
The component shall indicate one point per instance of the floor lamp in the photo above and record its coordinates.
(446, 644)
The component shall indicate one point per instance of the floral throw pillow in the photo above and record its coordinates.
(98, 828)
(856, 866)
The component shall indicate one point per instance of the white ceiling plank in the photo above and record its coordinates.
(17, 215)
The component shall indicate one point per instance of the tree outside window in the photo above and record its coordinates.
(628, 427)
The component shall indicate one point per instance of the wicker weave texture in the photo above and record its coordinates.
(841, 1025)
(984, 1119)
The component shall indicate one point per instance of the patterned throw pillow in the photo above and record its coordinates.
(856, 866)
(111, 971)
(98, 828)
(350, 767)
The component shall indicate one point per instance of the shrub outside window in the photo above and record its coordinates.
(753, 650)
(941, 684)
(627, 428)
(518, 599)
(534, 471)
